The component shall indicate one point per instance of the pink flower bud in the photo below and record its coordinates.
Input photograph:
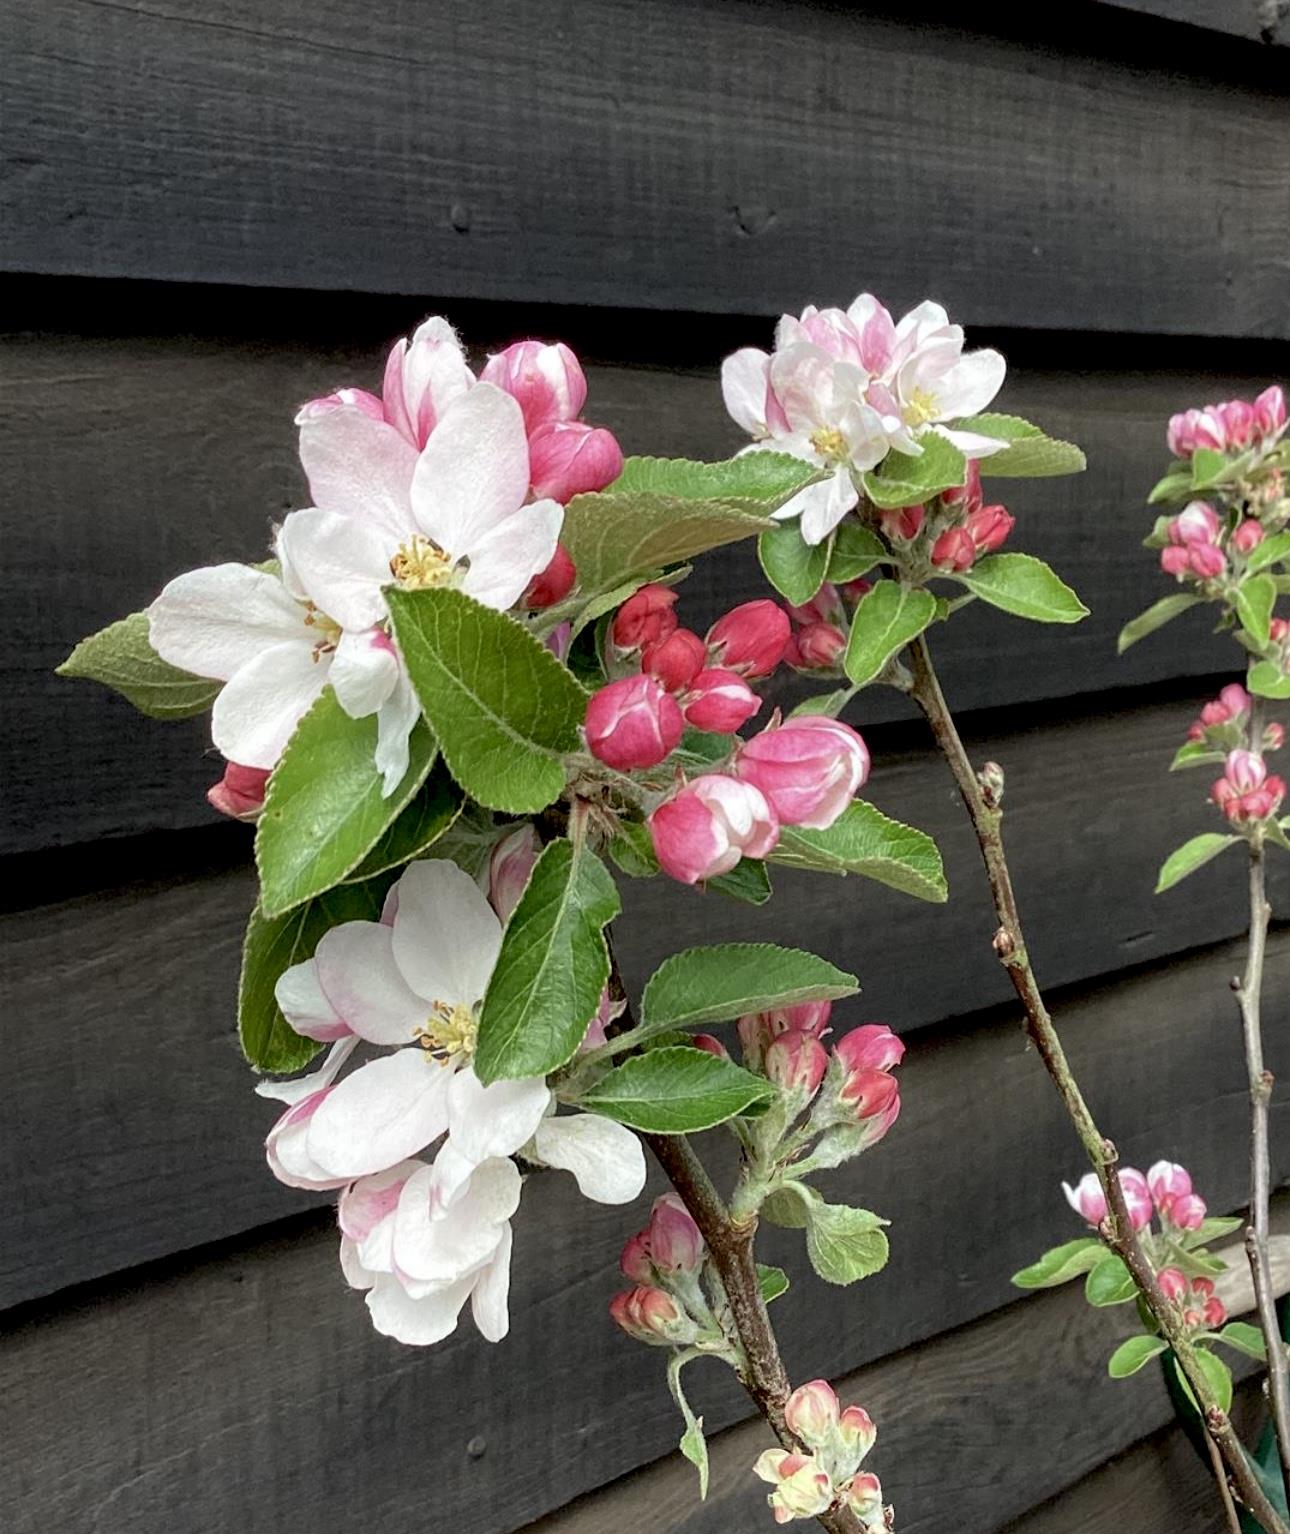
(547, 381)
(644, 618)
(902, 524)
(675, 1245)
(240, 792)
(1274, 736)
(559, 640)
(1137, 1197)
(1187, 1211)
(1087, 1199)
(1279, 630)
(651, 1315)
(553, 584)
(1206, 561)
(803, 1488)
(1166, 1179)
(811, 1413)
(857, 1432)
(751, 638)
(869, 1093)
(806, 1017)
(710, 1044)
(720, 701)
(1238, 418)
(854, 590)
(1203, 1286)
(871, 1047)
(1175, 560)
(796, 1062)
(1247, 536)
(1197, 522)
(1270, 411)
(1173, 1285)
(989, 527)
(703, 831)
(568, 458)
(954, 550)
(968, 494)
(509, 866)
(633, 723)
(824, 607)
(1214, 1312)
(1192, 1317)
(1179, 437)
(635, 1263)
(423, 375)
(809, 769)
(815, 647)
(676, 660)
(1207, 429)
(864, 1497)
(1245, 770)
(609, 1010)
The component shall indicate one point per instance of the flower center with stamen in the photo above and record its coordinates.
(328, 630)
(920, 408)
(829, 442)
(421, 562)
(449, 1033)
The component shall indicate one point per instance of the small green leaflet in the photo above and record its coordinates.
(845, 1244)
(865, 841)
(902, 480)
(1173, 487)
(1030, 454)
(713, 985)
(552, 966)
(122, 658)
(325, 810)
(766, 477)
(1109, 1283)
(885, 621)
(1214, 1228)
(1209, 468)
(856, 550)
(1190, 856)
(1243, 1338)
(1130, 1356)
(748, 881)
(1195, 753)
(829, 703)
(431, 814)
(1156, 616)
(1061, 1263)
(795, 568)
(675, 1090)
(692, 1445)
(1024, 586)
(1268, 680)
(1255, 598)
(771, 1281)
(505, 710)
(1270, 552)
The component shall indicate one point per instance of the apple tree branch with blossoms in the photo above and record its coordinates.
(459, 689)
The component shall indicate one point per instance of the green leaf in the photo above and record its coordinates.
(1132, 1355)
(1218, 1376)
(1241, 1337)
(1024, 586)
(1173, 487)
(1213, 1229)
(552, 966)
(1196, 753)
(856, 550)
(829, 703)
(273, 945)
(772, 1281)
(1156, 616)
(1255, 598)
(1268, 680)
(1191, 856)
(1208, 468)
(504, 709)
(325, 810)
(1270, 552)
(769, 477)
(795, 568)
(675, 1090)
(901, 480)
(1109, 1283)
(885, 621)
(748, 881)
(789, 1205)
(862, 840)
(845, 1244)
(122, 658)
(1061, 1263)
(432, 812)
(692, 1445)
(632, 850)
(1030, 454)
(713, 985)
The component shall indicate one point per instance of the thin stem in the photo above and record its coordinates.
(1224, 1490)
(981, 794)
(1249, 995)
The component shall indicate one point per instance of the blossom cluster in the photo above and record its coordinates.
(676, 1299)
(826, 1472)
(844, 388)
(1233, 425)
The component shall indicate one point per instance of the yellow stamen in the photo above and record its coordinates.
(329, 631)
(449, 1033)
(421, 562)
(922, 407)
(829, 442)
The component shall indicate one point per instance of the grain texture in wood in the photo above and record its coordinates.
(720, 157)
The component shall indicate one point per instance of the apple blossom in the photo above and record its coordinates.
(1173, 1284)
(954, 550)
(809, 769)
(547, 382)
(826, 606)
(703, 830)
(675, 660)
(1270, 411)
(815, 647)
(1247, 791)
(902, 524)
(509, 865)
(650, 1314)
(796, 1062)
(719, 701)
(644, 618)
(750, 638)
(1089, 1201)
(633, 723)
(568, 458)
(803, 1488)
(757, 1029)
(1230, 707)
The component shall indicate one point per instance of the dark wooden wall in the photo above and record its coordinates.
(209, 212)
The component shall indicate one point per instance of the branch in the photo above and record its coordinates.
(981, 795)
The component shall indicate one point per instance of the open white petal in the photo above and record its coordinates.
(745, 377)
(388, 1110)
(305, 1006)
(416, 1322)
(446, 935)
(606, 1159)
(824, 505)
(260, 706)
(493, 1120)
(340, 562)
(299, 1087)
(439, 1246)
(213, 621)
(359, 466)
(488, 1299)
(395, 721)
(970, 385)
(358, 975)
(506, 559)
(971, 444)
(364, 672)
(474, 470)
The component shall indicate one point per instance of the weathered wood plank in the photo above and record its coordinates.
(128, 460)
(1258, 20)
(693, 157)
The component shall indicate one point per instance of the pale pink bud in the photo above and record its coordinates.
(633, 723)
(1238, 418)
(1264, 802)
(356, 399)
(1173, 1285)
(1187, 1211)
(809, 769)
(815, 647)
(509, 866)
(1274, 736)
(811, 1413)
(609, 1010)
(710, 1044)
(1214, 1312)
(703, 831)
(675, 1245)
(423, 375)
(1279, 630)
(796, 1062)
(675, 660)
(854, 590)
(1206, 560)
(864, 1497)
(824, 607)
(857, 1432)
(1245, 770)
(872, 1046)
(1087, 1199)
(1207, 429)
(1166, 1179)
(989, 527)
(568, 458)
(869, 1093)
(803, 1488)
(546, 381)
(954, 550)
(553, 584)
(902, 524)
(832, 331)
(719, 701)
(1137, 1197)
(1270, 411)
(651, 1315)
(1235, 700)
(240, 792)
(1197, 522)
(634, 1262)
(1178, 437)
(968, 494)
(750, 638)
(1192, 1317)
(1175, 559)
(1247, 536)
(559, 640)
(644, 618)
(806, 1017)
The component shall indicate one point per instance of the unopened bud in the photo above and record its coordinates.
(633, 723)
(675, 660)
(240, 792)
(644, 618)
(751, 638)
(1173, 1285)
(675, 1245)
(811, 1413)
(719, 701)
(796, 1062)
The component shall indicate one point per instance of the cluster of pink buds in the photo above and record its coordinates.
(667, 1307)
(968, 528)
(820, 628)
(1222, 719)
(1193, 547)
(1231, 426)
(835, 1440)
(1166, 1190)
(758, 1030)
(1247, 793)
(1087, 1199)
(1171, 1191)
(1201, 1307)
